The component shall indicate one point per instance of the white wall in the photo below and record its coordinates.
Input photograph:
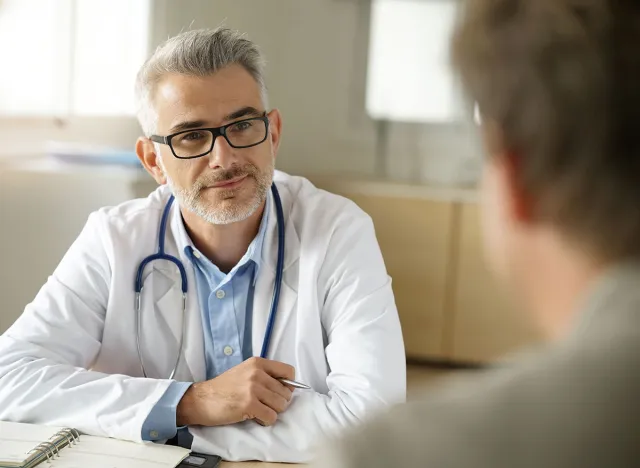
(316, 75)
(313, 55)
(43, 207)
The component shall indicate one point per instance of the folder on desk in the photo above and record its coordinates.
(29, 445)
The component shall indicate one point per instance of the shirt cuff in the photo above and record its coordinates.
(161, 422)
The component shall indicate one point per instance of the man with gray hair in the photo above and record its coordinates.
(557, 84)
(195, 314)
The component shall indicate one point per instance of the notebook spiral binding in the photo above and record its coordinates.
(72, 436)
(45, 448)
(51, 448)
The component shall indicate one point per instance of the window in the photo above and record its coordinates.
(409, 78)
(71, 57)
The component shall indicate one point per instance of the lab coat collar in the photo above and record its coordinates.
(291, 239)
(266, 280)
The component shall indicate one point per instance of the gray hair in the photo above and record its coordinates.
(199, 52)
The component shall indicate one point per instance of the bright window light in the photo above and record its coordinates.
(111, 44)
(71, 57)
(409, 77)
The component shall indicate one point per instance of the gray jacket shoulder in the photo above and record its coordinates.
(572, 405)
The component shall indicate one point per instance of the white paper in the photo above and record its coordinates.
(17, 439)
(99, 451)
(96, 452)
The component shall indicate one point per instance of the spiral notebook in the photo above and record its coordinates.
(29, 445)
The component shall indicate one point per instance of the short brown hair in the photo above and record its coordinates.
(561, 80)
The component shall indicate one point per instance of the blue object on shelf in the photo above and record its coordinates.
(76, 153)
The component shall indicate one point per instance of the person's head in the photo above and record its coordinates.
(557, 83)
(207, 79)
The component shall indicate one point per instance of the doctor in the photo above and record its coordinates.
(210, 266)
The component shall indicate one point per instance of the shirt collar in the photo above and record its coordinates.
(253, 253)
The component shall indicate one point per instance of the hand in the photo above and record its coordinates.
(247, 391)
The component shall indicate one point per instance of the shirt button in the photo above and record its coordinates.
(220, 294)
(228, 350)
(154, 434)
(196, 254)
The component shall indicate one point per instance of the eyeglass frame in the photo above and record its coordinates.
(216, 132)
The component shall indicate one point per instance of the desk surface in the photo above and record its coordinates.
(257, 465)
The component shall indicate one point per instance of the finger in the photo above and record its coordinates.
(273, 400)
(264, 415)
(278, 369)
(276, 386)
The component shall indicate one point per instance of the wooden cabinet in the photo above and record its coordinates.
(486, 321)
(415, 239)
(450, 305)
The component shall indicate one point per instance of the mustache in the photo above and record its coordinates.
(209, 179)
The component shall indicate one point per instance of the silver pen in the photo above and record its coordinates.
(294, 384)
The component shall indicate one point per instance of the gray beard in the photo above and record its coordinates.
(191, 200)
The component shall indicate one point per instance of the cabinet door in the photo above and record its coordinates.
(487, 322)
(414, 236)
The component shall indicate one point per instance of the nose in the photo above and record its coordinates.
(222, 154)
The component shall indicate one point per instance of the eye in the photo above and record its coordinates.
(192, 136)
(241, 126)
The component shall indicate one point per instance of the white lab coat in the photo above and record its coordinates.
(71, 359)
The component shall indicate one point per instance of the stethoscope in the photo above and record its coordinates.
(161, 255)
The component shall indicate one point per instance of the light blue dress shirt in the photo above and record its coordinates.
(226, 305)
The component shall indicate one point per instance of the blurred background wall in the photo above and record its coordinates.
(318, 55)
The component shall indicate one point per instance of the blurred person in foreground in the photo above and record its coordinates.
(557, 83)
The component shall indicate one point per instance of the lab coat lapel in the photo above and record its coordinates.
(266, 279)
(194, 340)
(168, 305)
(169, 311)
(192, 367)
(160, 316)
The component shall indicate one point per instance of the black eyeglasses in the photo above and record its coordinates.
(190, 144)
